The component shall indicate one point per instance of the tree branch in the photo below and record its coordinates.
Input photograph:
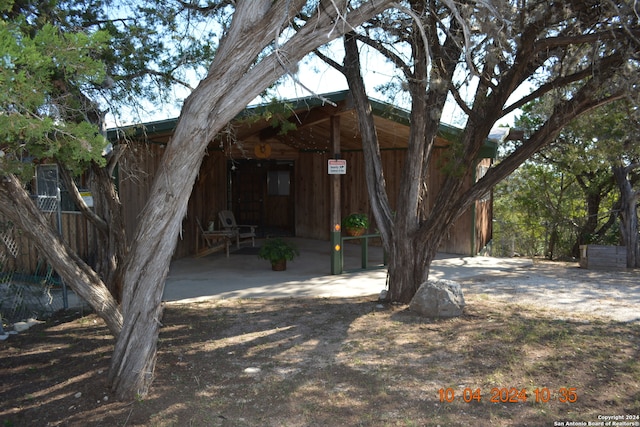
(560, 82)
(551, 43)
(581, 103)
(149, 72)
(210, 7)
(461, 103)
(329, 61)
(72, 188)
(389, 54)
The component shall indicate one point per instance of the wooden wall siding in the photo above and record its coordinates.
(135, 177)
(310, 189)
(247, 149)
(209, 197)
(353, 191)
(484, 212)
(484, 225)
(459, 237)
(457, 240)
(312, 196)
(76, 232)
(80, 235)
(209, 193)
(392, 164)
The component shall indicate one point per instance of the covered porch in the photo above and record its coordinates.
(271, 170)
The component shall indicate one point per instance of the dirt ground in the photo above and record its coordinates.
(508, 361)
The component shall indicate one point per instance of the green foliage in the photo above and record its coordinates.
(65, 62)
(534, 203)
(277, 114)
(277, 249)
(355, 220)
(451, 162)
(543, 208)
(39, 70)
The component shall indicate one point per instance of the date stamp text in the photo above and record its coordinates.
(510, 395)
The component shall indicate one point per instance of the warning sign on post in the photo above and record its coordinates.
(337, 167)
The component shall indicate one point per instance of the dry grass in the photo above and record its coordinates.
(330, 362)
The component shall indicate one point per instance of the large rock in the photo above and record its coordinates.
(438, 298)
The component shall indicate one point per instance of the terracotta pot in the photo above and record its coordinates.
(355, 232)
(279, 265)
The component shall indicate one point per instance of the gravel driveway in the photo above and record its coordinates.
(565, 287)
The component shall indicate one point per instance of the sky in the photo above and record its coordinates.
(315, 77)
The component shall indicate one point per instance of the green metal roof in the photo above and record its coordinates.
(379, 108)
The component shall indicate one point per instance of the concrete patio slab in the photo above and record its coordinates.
(245, 275)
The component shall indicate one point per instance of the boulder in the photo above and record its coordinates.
(438, 298)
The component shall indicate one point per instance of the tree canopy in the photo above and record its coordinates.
(566, 195)
(490, 58)
(41, 67)
(67, 65)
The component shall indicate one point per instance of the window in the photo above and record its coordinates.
(47, 184)
(279, 183)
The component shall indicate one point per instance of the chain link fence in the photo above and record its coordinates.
(38, 293)
(26, 295)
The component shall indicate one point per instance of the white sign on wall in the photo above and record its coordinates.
(87, 197)
(337, 167)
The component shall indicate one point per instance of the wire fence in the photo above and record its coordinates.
(31, 294)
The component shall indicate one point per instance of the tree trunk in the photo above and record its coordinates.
(628, 214)
(106, 216)
(409, 253)
(409, 265)
(588, 230)
(16, 205)
(553, 239)
(113, 247)
(374, 174)
(234, 80)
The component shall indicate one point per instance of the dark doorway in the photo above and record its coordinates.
(262, 193)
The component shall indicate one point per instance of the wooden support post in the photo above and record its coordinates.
(335, 217)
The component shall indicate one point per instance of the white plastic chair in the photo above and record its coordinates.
(241, 232)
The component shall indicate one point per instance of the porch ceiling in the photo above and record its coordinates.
(311, 130)
(312, 127)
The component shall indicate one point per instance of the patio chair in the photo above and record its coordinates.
(212, 241)
(241, 232)
(203, 234)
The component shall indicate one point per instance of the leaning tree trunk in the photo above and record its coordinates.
(113, 247)
(588, 229)
(16, 205)
(234, 80)
(107, 218)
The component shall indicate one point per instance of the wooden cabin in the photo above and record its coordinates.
(271, 170)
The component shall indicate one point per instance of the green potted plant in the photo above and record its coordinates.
(278, 252)
(355, 224)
